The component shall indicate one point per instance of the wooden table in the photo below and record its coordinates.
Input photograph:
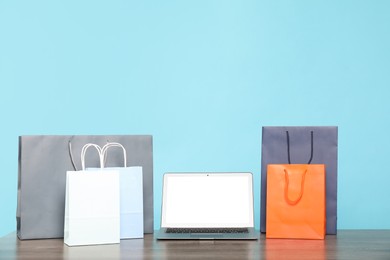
(348, 244)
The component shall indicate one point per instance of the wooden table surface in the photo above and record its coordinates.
(348, 244)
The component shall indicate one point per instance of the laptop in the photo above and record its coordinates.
(207, 206)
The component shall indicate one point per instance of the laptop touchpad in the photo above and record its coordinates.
(206, 236)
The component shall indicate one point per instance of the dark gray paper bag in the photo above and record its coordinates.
(275, 151)
(43, 162)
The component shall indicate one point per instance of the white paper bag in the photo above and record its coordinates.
(131, 196)
(92, 205)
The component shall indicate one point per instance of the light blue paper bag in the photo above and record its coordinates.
(131, 196)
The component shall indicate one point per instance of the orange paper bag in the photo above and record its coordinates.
(296, 201)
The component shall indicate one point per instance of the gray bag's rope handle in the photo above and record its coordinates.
(71, 154)
(288, 147)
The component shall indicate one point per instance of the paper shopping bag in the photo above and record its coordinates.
(316, 142)
(296, 201)
(131, 199)
(43, 163)
(92, 206)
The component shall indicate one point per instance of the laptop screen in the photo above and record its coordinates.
(207, 200)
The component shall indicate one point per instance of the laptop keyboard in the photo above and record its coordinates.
(207, 230)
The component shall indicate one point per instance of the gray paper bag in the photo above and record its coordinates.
(280, 147)
(43, 162)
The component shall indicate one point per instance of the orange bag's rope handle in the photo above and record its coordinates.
(287, 181)
(288, 147)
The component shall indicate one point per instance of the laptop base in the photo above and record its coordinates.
(251, 235)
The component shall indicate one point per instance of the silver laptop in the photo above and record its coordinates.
(207, 206)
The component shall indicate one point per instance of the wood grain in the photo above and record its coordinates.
(348, 244)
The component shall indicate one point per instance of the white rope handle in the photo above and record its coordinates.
(108, 145)
(84, 150)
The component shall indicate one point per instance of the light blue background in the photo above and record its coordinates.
(202, 77)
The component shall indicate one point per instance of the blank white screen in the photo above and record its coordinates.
(207, 200)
